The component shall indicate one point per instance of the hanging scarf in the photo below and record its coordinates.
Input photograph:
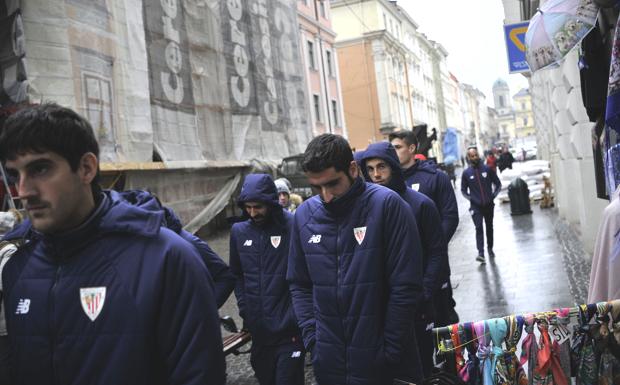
(484, 352)
(529, 348)
(612, 111)
(609, 367)
(583, 360)
(562, 351)
(548, 368)
(459, 360)
(470, 373)
(516, 374)
(497, 330)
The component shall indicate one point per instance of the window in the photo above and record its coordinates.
(335, 113)
(311, 60)
(322, 8)
(328, 58)
(501, 101)
(317, 108)
(385, 24)
(523, 106)
(525, 121)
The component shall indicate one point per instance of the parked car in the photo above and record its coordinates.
(290, 168)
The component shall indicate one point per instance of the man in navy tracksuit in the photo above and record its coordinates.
(259, 250)
(98, 291)
(380, 165)
(424, 177)
(477, 184)
(355, 273)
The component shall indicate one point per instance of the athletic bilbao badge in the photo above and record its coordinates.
(275, 241)
(92, 299)
(484, 174)
(360, 233)
(415, 186)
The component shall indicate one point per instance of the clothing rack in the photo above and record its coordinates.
(573, 311)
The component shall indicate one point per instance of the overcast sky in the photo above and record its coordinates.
(472, 33)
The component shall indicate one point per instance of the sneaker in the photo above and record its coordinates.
(480, 258)
(491, 254)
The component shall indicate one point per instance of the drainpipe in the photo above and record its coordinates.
(323, 75)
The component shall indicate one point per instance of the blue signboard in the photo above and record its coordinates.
(515, 46)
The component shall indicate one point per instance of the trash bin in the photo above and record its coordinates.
(519, 195)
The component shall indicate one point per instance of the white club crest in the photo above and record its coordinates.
(360, 233)
(275, 240)
(415, 186)
(92, 299)
(484, 174)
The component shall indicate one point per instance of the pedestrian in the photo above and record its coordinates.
(491, 161)
(380, 165)
(98, 291)
(505, 160)
(284, 196)
(353, 273)
(294, 199)
(480, 185)
(259, 249)
(223, 279)
(425, 178)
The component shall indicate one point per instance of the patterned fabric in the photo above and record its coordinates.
(583, 360)
(563, 351)
(529, 348)
(470, 373)
(455, 335)
(609, 366)
(515, 373)
(497, 329)
(542, 371)
(484, 352)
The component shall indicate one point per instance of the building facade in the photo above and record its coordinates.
(563, 135)
(389, 73)
(524, 116)
(321, 67)
(505, 111)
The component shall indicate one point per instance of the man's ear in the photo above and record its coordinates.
(88, 167)
(412, 148)
(353, 170)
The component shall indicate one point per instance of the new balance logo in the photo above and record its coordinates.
(315, 239)
(23, 306)
(247, 242)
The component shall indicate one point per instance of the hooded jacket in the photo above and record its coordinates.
(424, 177)
(355, 283)
(477, 185)
(222, 277)
(259, 258)
(150, 316)
(435, 263)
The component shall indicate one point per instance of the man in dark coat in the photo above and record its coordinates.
(505, 160)
(477, 185)
(98, 291)
(424, 177)
(380, 165)
(259, 250)
(355, 273)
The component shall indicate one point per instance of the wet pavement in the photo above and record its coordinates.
(538, 266)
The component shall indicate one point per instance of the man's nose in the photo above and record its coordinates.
(327, 195)
(376, 173)
(24, 188)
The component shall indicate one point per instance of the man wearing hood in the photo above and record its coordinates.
(98, 290)
(380, 165)
(424, 177)
(259, 250)
(355, 273)
(477, 184)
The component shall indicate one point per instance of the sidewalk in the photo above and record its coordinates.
(539, 265)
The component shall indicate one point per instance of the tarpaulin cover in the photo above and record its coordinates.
(174, 80)
(450, 146)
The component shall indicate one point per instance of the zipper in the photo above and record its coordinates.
(53, 324)
(482, 195)
(338, 296)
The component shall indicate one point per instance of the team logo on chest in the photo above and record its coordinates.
(360, 233)
(275, 240)
(415, 186)
(92, 299)
(484, 174)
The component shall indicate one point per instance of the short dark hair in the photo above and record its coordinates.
(325, 151)
(48, 127)
(406, 136)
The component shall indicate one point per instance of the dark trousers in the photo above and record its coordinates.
(278, 365)
(477, 215)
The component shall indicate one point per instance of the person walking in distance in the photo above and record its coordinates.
(355, 273)
(259, 249)
(98, 290)
(380, 165)
(480, 185)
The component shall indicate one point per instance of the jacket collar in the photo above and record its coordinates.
(342, 205)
